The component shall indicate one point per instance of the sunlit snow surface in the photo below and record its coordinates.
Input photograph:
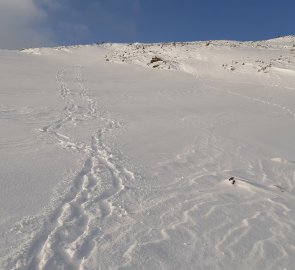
(117, 156)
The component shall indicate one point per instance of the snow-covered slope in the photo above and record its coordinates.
(117, 156)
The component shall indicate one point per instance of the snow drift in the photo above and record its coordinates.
(117, 156)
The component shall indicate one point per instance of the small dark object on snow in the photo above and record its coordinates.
(232, 179)
(155, 59)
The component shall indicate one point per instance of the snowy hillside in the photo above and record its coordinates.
(117, 156)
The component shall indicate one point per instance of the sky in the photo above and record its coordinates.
(35, 23)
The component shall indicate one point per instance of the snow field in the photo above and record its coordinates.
(127, 160)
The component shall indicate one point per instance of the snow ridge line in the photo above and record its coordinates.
(67, 238)
(141, 54)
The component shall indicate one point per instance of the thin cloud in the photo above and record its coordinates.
(34, 23)
(19, 25)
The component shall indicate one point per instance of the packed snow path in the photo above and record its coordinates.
(67, 237)
(156, 131)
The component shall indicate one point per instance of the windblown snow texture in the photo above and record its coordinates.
(148, 156)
